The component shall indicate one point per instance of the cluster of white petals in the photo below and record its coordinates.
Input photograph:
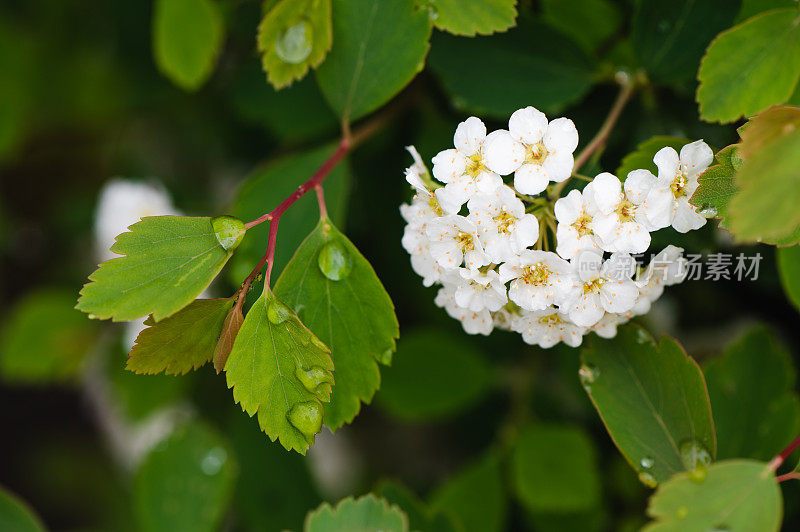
(477, 226)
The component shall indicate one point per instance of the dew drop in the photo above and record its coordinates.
(694, 454)
(313, 378)
(385, 358)
(647, 462)
(588, 374)
(277, 312)
(682, 512)
(229, 231)
(307, 418)
(334, 261)
(707, 211)
(642, 337)
(647, 479)
(294, 43)
(212, 462)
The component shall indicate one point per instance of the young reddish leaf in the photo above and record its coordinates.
(230, 329)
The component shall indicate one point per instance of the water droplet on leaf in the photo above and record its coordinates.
(698, 475)
(708, 211)
(588, 373)
(313, 378)
(294, 45)
(642, 337)
(647, 462)
(694, 454)
(307, 418)
(277, 312)
(334, 261)
(212, 462)
(229, 231)
(648, 480)
(385, 358)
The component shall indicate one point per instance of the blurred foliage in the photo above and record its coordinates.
(474, 433)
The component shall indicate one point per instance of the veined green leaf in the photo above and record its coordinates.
(731, 495)
(589, 22)
(765, 206)
(555, 469)
(16, 516)
(653, 401)
(433, 375)
(168, 261)
(751, 390)
(279, 370)
(475, 496)
(767, 127)
(717, 185)
(44, 339)
(336, 293)
(482, 17)
(187, 38)
(365, 514)
(295, 35)
(186, 482)
(670, 37)
(378, 47)
(642, 158)
(474, 71)
(181, 342)
(751, 66)
(789, 270)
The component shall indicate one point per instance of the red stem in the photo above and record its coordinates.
(323, 209)
(787, 476)
(776, 462)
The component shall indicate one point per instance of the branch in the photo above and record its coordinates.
(627, 87)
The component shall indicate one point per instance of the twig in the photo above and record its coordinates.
(626, 90)
(776, 462)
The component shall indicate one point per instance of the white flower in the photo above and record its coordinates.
(122, 203)
(667, 203)
(463, 169)
(622, 227)
(604, 287)
(479, 291)
(473, 322)
(667, 268)
(504, 227)
(546, 149)
(607, 326)
(546, 328)
(454, 240)
(575, 231)
(539, 279)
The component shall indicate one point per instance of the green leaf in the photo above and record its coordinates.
(789, 270)
(717, 185)
(765, 208)
(750, 67)
(336, 292)
(482, 17)
(653, 401)
(16, 516)
(670, 37)
(44, 339)
(267, 187)
(186, 482)
(767, 127)
(475, 71)
(187, 38)
(589, 22)
(378, 47)
(756, 412)
(475, 496)
(182, 342)
(294, 36)
(735, 495)
(555, 469)
(365, 514)
(642, 157)
(281, 371)
(168, 261)
(434, 374)
(421, 517)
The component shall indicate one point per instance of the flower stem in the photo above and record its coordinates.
(776, 462)
(627, 87)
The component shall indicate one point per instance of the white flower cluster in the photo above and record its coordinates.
(486, 242)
